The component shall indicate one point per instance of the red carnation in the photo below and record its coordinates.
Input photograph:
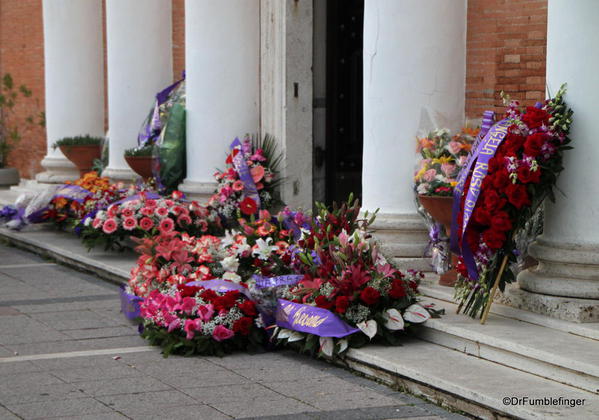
(322, 302)
(341, 304)
(248, 206)
(534, 143)
(370, 296)
(397, 289)
(517, 195)
(493, 201)
(482, 216)
(514, 142)
(494, 238)
(526, 176)
(501, 221)
(248, 308)
(535, 117)
(243, 325)
(501, 179)
(209, 295)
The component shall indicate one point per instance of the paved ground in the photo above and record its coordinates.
(67, 352)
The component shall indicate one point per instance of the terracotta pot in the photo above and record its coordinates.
(141, 165)
(82, 156)
(440, 209)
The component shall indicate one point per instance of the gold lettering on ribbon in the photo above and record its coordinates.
(494, 140)
(303, 319)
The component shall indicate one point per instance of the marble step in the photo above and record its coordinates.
(553, 354)
(468, 383)
(589, 330)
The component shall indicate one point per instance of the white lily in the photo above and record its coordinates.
(263, 248)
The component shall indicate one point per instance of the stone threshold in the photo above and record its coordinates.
(454, 362)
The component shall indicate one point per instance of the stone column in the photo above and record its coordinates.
(414, 64)
(222, 56)
(139, 65)
(74, 79)
(566, 282)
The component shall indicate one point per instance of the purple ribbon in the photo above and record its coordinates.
(154, 126)
(263, 282)
(485, 150)
(72, 192)
(487, 122)
(220, 285)
(130, 304)
(311, 320)
(241, 166)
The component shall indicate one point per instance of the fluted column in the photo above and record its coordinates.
(222, 56)
(414, 62)
(139, 65)
(74, 79)
(566, 282)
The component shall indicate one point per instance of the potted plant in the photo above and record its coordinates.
(442, 157)
(81, 150)
(141, 160)
(10, 127)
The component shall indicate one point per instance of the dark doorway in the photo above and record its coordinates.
(345, 23)
(342, 154)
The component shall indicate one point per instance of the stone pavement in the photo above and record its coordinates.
(67, 352)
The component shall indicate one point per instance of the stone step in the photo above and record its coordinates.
(474, 385)
(552, 354)
(589, 330)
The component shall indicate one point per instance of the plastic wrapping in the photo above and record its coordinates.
(170, 168)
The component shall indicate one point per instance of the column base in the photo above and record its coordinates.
(564, 270)
(58, 170)
(197, 190)
(565, 308)
(120, 175)
(403, 237)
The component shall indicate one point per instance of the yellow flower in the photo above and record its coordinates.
(443, 159)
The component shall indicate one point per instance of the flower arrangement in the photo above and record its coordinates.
(346, 275)
(442, 157)
(75, 199)
(249, 180)
(190, 319)
(526, 151)
(143, 216)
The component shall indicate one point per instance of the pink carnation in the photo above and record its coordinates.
(129, 223)
(146, 223)
(161, 212)
(97, 223)
(184, 220)
(222, 333)
(127, 213)
(166, 225)
(110, 225)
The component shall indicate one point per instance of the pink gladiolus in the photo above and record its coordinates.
(222, 333)
(191, 326)
(174, 324)
(97, 223)
(448, 169)
(454, 147)
(110, 226)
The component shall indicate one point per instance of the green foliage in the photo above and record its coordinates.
(83, 140)
(141, 151)
(11, 130)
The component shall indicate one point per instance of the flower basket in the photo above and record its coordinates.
(82, 156)
(141, 165)
(440, 207)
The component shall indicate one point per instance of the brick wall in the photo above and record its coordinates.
(22, 55)
(178, 38)
(506, 50)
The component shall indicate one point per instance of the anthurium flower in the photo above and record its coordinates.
(393, 320)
